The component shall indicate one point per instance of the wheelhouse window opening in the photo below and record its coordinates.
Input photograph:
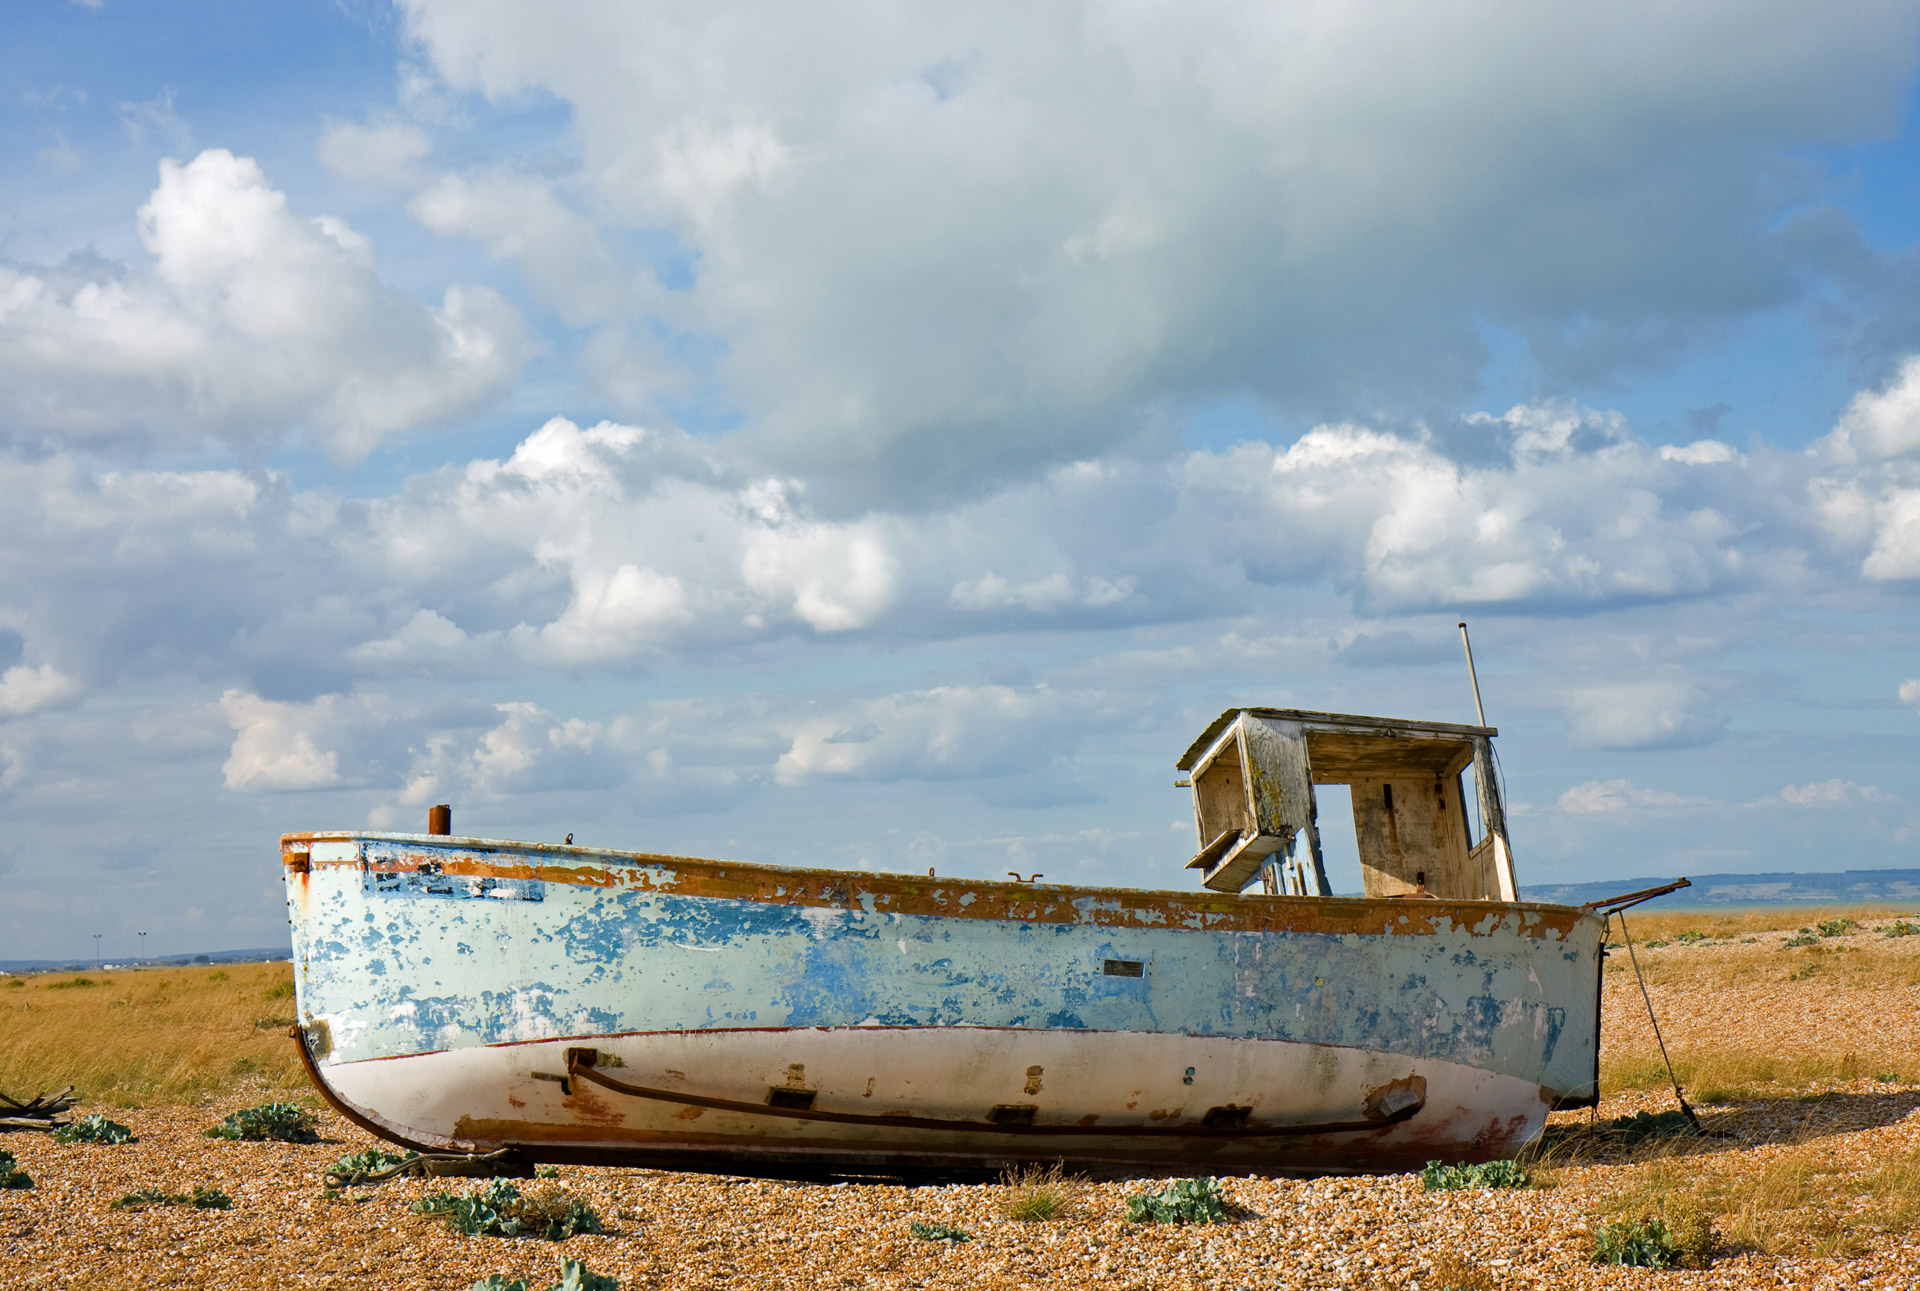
(1421, 826)
(1476, 822)
(1339, 851)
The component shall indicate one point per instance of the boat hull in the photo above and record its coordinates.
(469, 996)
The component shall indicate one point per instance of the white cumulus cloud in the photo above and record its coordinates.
(1830, 793)
(947, 732)
(279, 745)
(1643, 715)
(25, 689)
(1597, 797)
(252, 323)
(1879, 424)
(1104, 206)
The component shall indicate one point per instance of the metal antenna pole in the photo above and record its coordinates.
(1473, 676)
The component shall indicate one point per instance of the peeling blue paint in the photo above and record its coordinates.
(451, 970)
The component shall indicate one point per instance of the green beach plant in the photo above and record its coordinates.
(1488, 1174)
(1184, 1201)
(282, 1122)
(94, 1129)
(502, 1210)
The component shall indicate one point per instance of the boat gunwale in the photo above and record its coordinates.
(1038, 902)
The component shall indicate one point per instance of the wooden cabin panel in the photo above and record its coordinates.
(1342, 757)
(1282, 783)
(1220, 795)
(1411, 825)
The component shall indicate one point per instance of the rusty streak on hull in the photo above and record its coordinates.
(580, 1070)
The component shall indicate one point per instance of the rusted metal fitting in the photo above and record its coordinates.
(440, 819)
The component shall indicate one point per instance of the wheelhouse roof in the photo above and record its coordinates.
(1341, 723)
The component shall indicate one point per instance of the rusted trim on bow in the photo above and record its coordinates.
(372, 1122)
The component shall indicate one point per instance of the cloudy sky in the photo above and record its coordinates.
(883, 435)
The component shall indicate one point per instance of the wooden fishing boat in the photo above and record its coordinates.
(576, 1004)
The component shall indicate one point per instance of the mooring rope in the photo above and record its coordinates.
(418, 1166)
(1641, 978)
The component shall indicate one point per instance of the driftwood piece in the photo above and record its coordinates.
(41, 1112)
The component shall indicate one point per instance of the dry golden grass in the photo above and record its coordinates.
(149, 1036)
(1786, 1194)
(1744, 1012)
(1796, 1055)
(1035, 1193)
(1651, 924)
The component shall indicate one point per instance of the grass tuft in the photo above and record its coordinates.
(1184, 1201)
(71, 983)
(502, 1210)
(1034, 1194)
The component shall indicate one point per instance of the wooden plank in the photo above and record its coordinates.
(1407, 828)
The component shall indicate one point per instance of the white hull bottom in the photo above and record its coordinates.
(942, 1100)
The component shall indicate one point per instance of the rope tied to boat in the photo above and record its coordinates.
(427, 1165)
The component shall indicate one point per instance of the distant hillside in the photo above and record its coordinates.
(1843, 887)
(82, 965)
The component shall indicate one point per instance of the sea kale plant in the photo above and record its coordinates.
(502, 1210)
(11, 1175)
(1641, 1244)
(1488, 1174)
(1676, 1235)
(285, 1122)
(93, 1129)
(1184, 1201)
(199, 1199)
(574, 1276)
